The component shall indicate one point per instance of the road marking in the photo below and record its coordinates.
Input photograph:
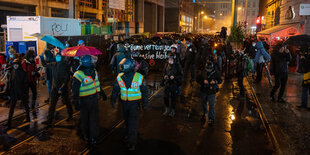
(22, 142)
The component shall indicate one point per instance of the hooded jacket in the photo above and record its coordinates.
(19, 82)
(261, 53)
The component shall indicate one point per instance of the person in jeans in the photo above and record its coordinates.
(209, 80)
(279, 68)
(305, 67)
(261, 56)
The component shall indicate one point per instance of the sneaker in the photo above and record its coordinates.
(131, 147)
(46, 101)
(172, 113)
(203, 119)
(281, 100)
(166, 111)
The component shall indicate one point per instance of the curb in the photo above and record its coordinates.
(274, 132)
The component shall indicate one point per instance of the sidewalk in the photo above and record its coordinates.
(293, 123)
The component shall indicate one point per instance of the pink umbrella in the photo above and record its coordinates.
(79, 51)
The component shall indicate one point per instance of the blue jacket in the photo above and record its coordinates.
(261, 52)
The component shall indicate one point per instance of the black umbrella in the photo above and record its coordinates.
(299, 40)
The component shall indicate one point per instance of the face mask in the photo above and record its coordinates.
(58, 58)
(15, 66)
(188, 45)
(170, 61)
(253, 45)
(11, 55)
(67, 45)
(76, 58)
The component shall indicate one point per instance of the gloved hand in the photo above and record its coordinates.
(76, 104)
(103, 95)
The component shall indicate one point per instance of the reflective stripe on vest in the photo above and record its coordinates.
(133, 93)
(89, 86)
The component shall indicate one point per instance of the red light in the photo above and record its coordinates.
(258, 20)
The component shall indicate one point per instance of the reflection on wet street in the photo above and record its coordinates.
(236, 129)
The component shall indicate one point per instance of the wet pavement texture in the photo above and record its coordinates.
(234, 131)
(293, 123)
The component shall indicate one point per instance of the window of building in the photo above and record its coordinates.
(249, 4)
(253, 13)
(254, 4)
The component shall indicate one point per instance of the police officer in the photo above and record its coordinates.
(141, 65)
(132, 88)
(172, 78)
(61, 77)
(85, 89)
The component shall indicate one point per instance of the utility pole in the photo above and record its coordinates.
(234, 13)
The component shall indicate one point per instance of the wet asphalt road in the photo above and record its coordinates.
(183, 134)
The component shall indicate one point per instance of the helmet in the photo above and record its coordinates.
(81, 42)
(127, 65)
(209, 66)
(86, 61)
(174, 46)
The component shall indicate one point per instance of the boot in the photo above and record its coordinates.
(47, 100)
(166, 111)
(171, 114)
(131, 147)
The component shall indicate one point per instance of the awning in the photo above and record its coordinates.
(280, 33)
(277, 29)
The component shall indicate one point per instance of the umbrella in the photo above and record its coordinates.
(299, 40)
(79, 51)
(53, 41)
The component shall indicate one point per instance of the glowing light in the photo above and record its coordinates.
(221, 14)
(202, 12)
(206, 17)
(232, 116)
(239, 8)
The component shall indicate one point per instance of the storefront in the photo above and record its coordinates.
(280, 33)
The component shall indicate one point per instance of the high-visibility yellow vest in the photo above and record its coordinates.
(306, 79)
(133, 93)
(89, 86)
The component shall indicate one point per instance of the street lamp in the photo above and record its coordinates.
(206, 17)
(202, 12)
(221, 14)
(239, 8)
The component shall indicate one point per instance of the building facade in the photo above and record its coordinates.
(179, 16)
(145, 15)
(281, 19)
(247, 12)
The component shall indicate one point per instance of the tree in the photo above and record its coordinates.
(237, 34)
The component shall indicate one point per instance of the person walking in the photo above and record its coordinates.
(172, 80)
(133, 89)
(29, 65)
(279, 68)
(305, 67)
(19, 91)
(85, 89)
(261, 57)
(209, 80)
(61, 77)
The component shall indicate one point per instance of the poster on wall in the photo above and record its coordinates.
(117, 4)
(20, 28)
(304, 10)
